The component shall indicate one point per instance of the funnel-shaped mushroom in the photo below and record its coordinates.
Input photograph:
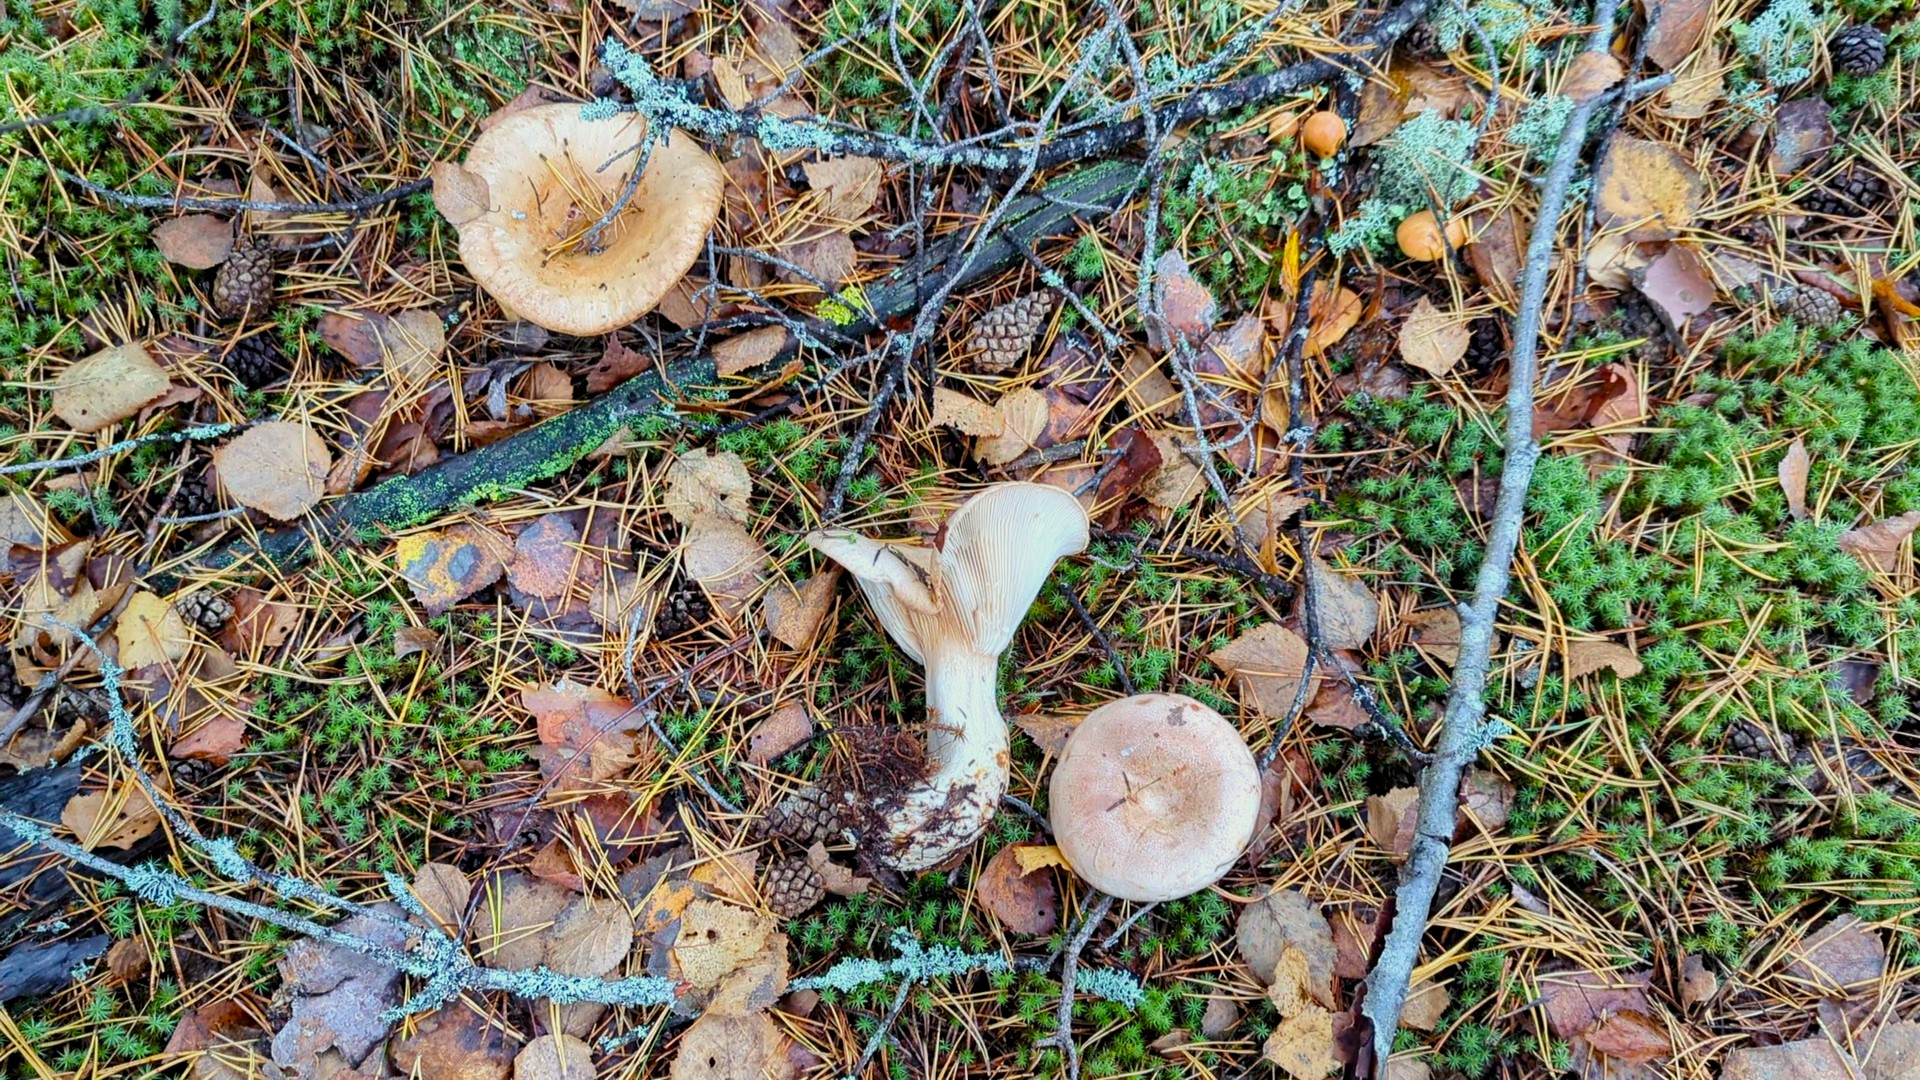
(538, 180)
(954, 607)
(1154, 797)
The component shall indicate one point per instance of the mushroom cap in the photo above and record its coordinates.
(1154, 798)
(531, 173)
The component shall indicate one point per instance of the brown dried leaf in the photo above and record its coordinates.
(216, 740)
(1178, 481)
(459, 195)
(1616, 262)
(1433, 340)
(111, 819)
(616, 365)
(510, 931)
(1330, 316)
(444, 567)
(1494, 250)
(1048, 731)
(835, 878)
(1302, 1044)
(258, 624)
(1023, 418)
(1268, 662)
(1488, 798)
(555, 1057)
(1697, 983)
(794, 612)
(1282, 918)
(716, 939)
(789, 725)
(1843, 953)
(1627, 1036)
(1391, 821)
(278, 468)
(1893, 1051)
(1679, 285)
(1291, 975)
(547, 556)
(1802, 133)
(1426, 1003)
(195, 241)
(743, 352)
(1348, 611)
(726, 560)
(1678, 26)
(1185, 305)
(1807, 1059)
(1436, 631)
(1221, 1015)
(591, 937)
(37, 747)
(964, 414)
(454, 1043)
(150, 631)
(574, 714)
(443, 889)
(1149, 390)
(830, 258)
(415, 639)
(1025, 903)
(1576, 1000)
(106, 387)
(1795, 464)
(730, 1048)
(1587, 657)
(1701, 80)
(1878, 544)
(850, 185)
(1590, 75)
(703, 483)
(1033, 857)
(1649, 188)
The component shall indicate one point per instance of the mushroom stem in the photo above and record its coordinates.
(967, 757)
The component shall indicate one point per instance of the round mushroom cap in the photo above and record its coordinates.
(1154, 798)
(534, 183)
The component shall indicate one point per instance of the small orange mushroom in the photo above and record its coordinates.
(1324, 133)
(1422, 240)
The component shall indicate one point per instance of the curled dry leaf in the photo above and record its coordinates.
(107, 387)
(1878, 544)
(1587, 657)
(1795, 464)
(1023, 418)
(794, 612)
(1648, 188)
(1025, 903)
(835, 878)
(216, 740)
(195, 241)
(278, 468)
(701, 483)
(1267, 662)
(37, 747)
(555, 1057)
(1433, 340)
(1391, 820)
(1048, 731)
(617, 364)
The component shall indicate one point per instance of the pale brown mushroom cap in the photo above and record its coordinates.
(538, 174)
(1154, 798)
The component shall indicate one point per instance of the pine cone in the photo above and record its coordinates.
(1421, 40)
(793, 887)
(685, 607)
(1858, 50)
(806, 817)
(244, 283)
(204, 609)
(1487, 346)
(1808, 306)
(256, 361)
(1750, 740)
(1850, 194)
(195, 497)
(1000, 338)
(92, 703)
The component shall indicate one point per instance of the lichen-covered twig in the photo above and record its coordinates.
(219, 205)
(1464, 730)
(198, 433)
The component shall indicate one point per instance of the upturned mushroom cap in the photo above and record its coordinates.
(534, 183)
(1154, 798)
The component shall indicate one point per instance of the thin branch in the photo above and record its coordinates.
(227, 206)
(192, 434)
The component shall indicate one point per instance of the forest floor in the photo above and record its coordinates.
(388, 666)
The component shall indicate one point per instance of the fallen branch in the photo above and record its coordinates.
(1464, 730)
(203, 204)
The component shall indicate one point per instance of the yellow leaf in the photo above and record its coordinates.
(1033, 857)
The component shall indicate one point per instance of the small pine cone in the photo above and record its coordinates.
(1854, 192)
(256, 361)
(204, 609)
(92, 703)
(1858, 50)
(1749, 740)
(244, 283)
(1000, 338)
(1810, 307)
(685, 607)
(806, 817)
(793, 887)
(1421, 40)
(1487, 346)
(195, 497)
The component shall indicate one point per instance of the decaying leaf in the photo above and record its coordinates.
(590, 937)
(1794, 467)
(1024, 902)
(1426, 1003)
(1679, 285)
(1023, 416)
(1842, 955)
(150, 631)
(1802, 133)
(1628, 1036)
(794, 612)
(1185, 306)
(702, 483)
(547, 557)
(835, 878)
(1347, 610)
(443, 890)
(964, 414)
(1591, 74)
(107, 387)
(1487, 798)
(730, 1048)
(1283, 918)
(1178, 480)
(514, 916)
(850, 184)
(459, 195)
(278, 468)
(1587, 657)
(1647, 187)
(1267, 662)
(1436, 631)
(445, 566)
(195, 241)
(1330, 315)
(339, 998)
(726, 560)
(111, 818)
(216, 739)
(1391, 820)
(1048, 731)
(716, 938)
(1878, 544)
(1677, 26)
(1033, 857)
(744, 352)
(1433, 340)
(1302, 1044)
(455, 1042)
(555, 1057)
(36, 747)
(1805, 1059)
(789, 725)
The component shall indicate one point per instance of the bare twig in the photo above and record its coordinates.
(227, 206)
(1100, 636)
(1069, 973)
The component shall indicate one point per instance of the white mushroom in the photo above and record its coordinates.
(1155, 797)
(954, 607)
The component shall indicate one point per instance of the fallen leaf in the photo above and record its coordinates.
(408, 640)
(1302, 1044)
(575, 714)
(127, 960)
(1802, 133)
(1893, 1051)
(726, 561)
(1347, 610)
(1587, 657)
(1590, 75)
(106, 387)
(1648, 188)
(1436, 631)
(514, 916)
(1807, 1059)
(743, 352)
(1048, 731)
(1433, 340)
(729, 876)
(1261, 520)
(1023, 418)
(740, 1047)
(1678, 284)
(1330, 317)
(1219, 1018)
(1178, 481)
(1024, 902)
(459, 194)
(1353, 937)
(339, 997)
(278, 468)
(1697, 983)
(1493, 247)
(149, 631)
(1426, 1003)
(1183, 305)
(716, 939)
(1677, 27)
(1268, 662)
(24, 521)
(37, 747)
(547, 555)
(195, 241)
(1392, 819)
(965, 414)
(1614, 261)
(794, 612)
(616, 365)
(789, 725)
(828, 258)
(258, 624)
(549, 390)
(1149, 390)
(835, 878)
(850, 184)
(1631, 1037)
(1794, 467)
(1288, 986)
(555, 1057)
(1282, 918)
(1576, 1000)
(1487, 798)
(1033, 857)
(702, 483)
(1843, 954)
(1700, 82)
(411, 344)
(111, 818)
(454, 1042)
(443, 890)
(1878, 544)
(592, 936)
(445, 566)
(216, 740)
